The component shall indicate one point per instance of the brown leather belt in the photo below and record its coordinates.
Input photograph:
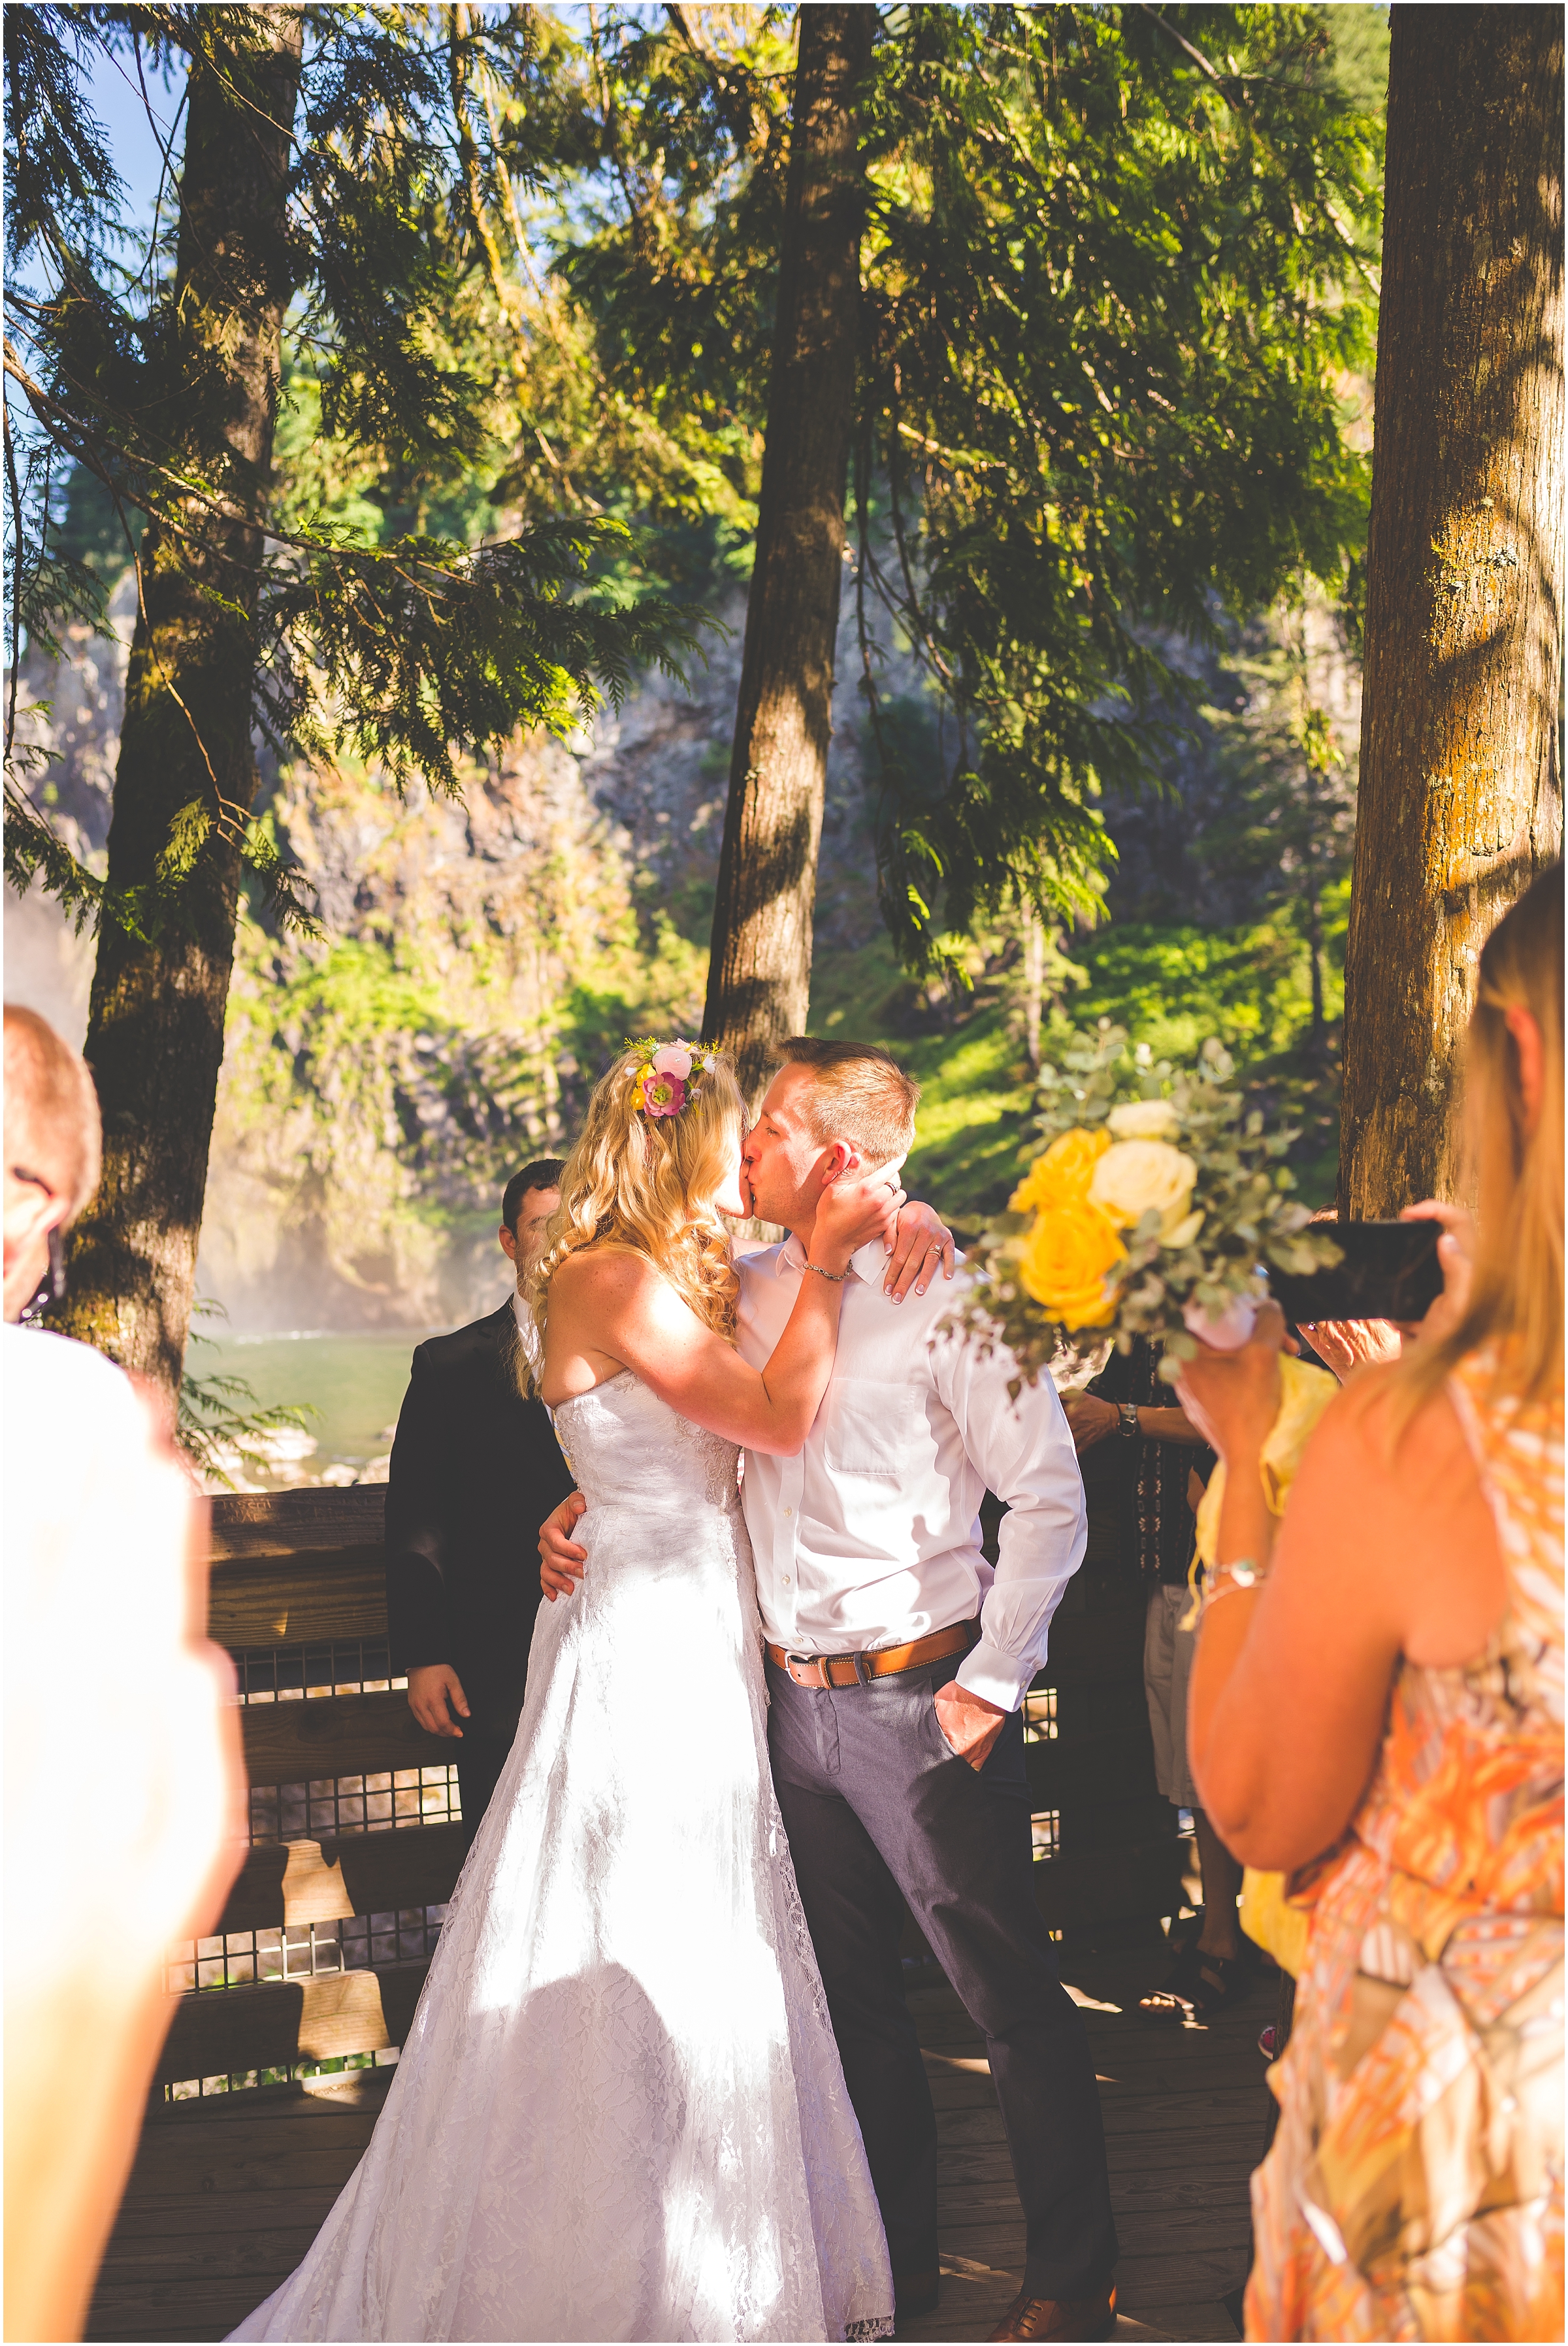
(823, 1670)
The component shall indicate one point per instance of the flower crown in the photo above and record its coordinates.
(670, 1074)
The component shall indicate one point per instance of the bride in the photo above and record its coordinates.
(620, 2112)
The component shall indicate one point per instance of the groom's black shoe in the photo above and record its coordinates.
(914, 2294)
(1057, 2318)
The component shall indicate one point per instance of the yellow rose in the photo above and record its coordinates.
(1064, 1261)
(1153, 1119)
(1062, 1175)
(1137, 1176)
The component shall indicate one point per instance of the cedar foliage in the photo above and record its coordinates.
(331, 173)
(1112, 277)
(1116, 271)
(399, 648)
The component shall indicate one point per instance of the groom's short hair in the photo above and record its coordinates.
(860, 1095)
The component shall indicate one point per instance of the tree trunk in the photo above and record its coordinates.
(759, 975)
(1461, 792)
(154, 1025)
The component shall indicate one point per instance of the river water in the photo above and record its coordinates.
(354, 1384)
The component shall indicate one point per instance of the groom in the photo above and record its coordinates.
(897, 1665)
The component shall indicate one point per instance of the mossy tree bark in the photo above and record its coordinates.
(1461, 790)
(760, 972)
(155, 1027)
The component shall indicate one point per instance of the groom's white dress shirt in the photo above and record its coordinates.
(871, 1536)
(528, 1329)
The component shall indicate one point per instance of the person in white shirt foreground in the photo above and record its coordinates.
(123, 1784)
(898, 1661)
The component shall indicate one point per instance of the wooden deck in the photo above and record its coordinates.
(1183, 2109)
(228, 2193)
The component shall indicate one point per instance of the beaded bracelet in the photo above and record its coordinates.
(837, 1277)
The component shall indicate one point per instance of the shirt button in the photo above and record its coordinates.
(786, 1580)
(789, 1511)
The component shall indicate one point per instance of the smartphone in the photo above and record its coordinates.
(1391, 1271)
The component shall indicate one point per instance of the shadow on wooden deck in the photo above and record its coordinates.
(1184, 2113)
(227, 2194)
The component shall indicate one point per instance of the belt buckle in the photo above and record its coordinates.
(822, 1663)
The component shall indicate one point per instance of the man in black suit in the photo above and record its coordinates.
(474, 1471)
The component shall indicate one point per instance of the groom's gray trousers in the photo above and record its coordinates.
(879, 1811)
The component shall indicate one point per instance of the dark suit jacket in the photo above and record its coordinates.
(475, 1471)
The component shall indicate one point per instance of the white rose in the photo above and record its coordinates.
(1137, 1176)
(1153, 1119)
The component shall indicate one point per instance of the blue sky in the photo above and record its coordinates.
(116, 99)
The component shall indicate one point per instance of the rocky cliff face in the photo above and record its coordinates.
(480, 959)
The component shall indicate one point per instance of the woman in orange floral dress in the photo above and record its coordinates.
(1378, 1704)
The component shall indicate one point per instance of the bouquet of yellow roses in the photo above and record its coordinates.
(1157, 1209)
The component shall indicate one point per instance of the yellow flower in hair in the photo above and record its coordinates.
(1064, 1260)
(1065, 1171)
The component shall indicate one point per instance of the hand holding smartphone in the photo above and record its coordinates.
(1390, 1270)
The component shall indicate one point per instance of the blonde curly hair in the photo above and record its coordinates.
(647, 1184)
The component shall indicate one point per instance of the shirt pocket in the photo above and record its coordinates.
(876, 1429)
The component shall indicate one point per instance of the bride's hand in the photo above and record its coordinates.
(852, 1212)
(921, 1244)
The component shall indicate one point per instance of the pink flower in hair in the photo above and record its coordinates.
(673, 1060)
(663, 1095)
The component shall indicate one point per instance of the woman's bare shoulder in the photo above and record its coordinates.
(615, 1289)
(1410, 1477)
(607, 1266)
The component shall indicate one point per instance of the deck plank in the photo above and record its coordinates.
(227, 2194)
(1184, 2111)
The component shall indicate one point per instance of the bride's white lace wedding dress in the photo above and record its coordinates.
(620, 2113)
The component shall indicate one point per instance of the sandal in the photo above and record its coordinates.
(1198, 1987)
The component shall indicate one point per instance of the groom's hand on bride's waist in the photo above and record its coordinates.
(561, 1560)
(970, 1725)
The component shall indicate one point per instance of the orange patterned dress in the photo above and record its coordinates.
(1414, 2189)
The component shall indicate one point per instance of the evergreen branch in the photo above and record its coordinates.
(732, 100)
(220, 1413)
(16, 495)
(33, 850)
(1229, 86)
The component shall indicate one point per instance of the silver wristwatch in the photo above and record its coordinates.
(1128, 1429)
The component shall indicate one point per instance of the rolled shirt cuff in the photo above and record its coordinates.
(998, 1677)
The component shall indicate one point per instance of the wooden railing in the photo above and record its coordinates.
(306, 1567)
(295, 1569)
